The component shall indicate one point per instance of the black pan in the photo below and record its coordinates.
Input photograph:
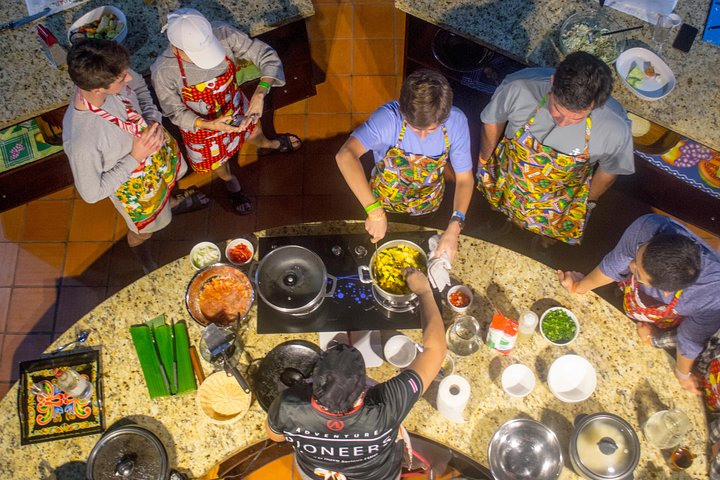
(286, 364)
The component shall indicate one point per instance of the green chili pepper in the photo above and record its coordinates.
(558, 327)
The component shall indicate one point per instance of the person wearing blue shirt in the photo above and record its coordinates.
(412, 142)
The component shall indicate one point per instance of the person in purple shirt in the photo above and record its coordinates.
(670, 279)
(412, 141)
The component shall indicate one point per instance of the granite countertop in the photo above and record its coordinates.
(526, 31)
(30, 86)
(633, 380)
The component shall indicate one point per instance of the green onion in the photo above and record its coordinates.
(558, 327)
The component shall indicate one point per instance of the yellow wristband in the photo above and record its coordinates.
(373, 206)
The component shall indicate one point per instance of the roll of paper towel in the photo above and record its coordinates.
(453, 395)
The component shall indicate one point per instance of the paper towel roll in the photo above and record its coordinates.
(453, 395)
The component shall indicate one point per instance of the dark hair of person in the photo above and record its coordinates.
(672, 261)
(338, 378)
(96, 63)
(425, 98)
(582, 81)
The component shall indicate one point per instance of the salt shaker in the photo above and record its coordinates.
(528, 321)
(75, 385)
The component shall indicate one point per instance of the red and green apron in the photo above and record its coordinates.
(662, 316)
(222, 97)
(540, 189)
(147, 191)
(407, 182)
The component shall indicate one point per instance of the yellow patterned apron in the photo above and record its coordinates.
(410, 183)
(540, 189)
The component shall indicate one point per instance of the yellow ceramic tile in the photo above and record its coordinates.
(322, 126)
(39, 264)
(374, 21)
(92, 221)
(11, 223)
(358, 119)
(194, 179)
(293, 109)
(331, 21)
(47, 220)
(295, 124)
(333, 56)
(369, 92)
(82, 255)
(244, 160)
(8, 260)
(399, 61)
(248, 148)
(31, 310)
(373, 57)
(121, 228)
(63, 194)
(333, 96)
(400, 19)
(279, 469)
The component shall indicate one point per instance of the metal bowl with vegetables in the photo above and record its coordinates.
(387, 264)
(559, 326)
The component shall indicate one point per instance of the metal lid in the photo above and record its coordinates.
(128, 452)
(291, 278)
(606, 446)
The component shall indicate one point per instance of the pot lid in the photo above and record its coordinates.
(291, 277)
(128, 452)
(286, 364)
(606, 446)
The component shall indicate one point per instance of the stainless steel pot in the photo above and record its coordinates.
(603, 446)
(129, 451)
(367, 272)
(293, 280)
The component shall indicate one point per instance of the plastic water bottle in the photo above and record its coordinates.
(528, 322)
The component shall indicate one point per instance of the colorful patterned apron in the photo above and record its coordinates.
(221, 96)
(147, 191)
(540, 189)
(407, 182)
(662, 316)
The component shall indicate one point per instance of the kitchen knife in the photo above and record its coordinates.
(162, 365)
(19, 23)
(175, 369)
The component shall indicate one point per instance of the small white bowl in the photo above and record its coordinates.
(232, 244)
(463, 289)
(650, 88)
(97, 14)
(569, 314)
(400, 351)
(518, 380)
(572, 378)
(194, 251)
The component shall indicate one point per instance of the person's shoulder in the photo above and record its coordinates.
(530, 78)
(390, 110)
(166, 60)
(614, 114)
(224, 31)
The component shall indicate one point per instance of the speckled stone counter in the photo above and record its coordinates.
(633, 380)
(30, 86)
(528, 31)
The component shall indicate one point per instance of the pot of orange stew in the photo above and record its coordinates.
(220, 294)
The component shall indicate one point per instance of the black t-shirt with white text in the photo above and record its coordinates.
(359, 445)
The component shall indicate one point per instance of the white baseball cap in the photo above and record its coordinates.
(188, 30)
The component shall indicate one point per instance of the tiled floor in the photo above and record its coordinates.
(60, 257)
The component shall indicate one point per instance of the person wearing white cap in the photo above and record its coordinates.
(197, 83)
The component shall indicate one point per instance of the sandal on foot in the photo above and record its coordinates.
(241, 203)
(286, 145)
(190, 201)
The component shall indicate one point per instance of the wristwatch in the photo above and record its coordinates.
(460, 220)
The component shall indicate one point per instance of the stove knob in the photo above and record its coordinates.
(337, 250)
(360, 251)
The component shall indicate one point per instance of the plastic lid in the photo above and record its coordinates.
(607, 446)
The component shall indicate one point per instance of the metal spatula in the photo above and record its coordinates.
(218, 344)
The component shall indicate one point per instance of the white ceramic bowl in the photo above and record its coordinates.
(234, 243)
(465, 290)
(196, 248)
(97, 14)
(518, 380)
(569, 314)
(400, 351)
(650, 88)
(572, 378)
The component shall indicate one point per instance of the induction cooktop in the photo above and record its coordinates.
(353, 306)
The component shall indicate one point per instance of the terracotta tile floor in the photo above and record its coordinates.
(60, 257)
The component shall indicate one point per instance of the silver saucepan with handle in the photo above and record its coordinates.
(371, 273)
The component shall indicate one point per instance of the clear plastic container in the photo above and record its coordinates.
(75, 385)
(528, 322)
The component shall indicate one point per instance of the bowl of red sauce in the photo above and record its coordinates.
(459, 298)
(239, 251)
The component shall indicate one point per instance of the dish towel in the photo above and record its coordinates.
(142, 336)
(647, 10)
(438, 268)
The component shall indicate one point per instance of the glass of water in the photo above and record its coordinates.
(666, 428)
(661, 31)
(463, 336)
